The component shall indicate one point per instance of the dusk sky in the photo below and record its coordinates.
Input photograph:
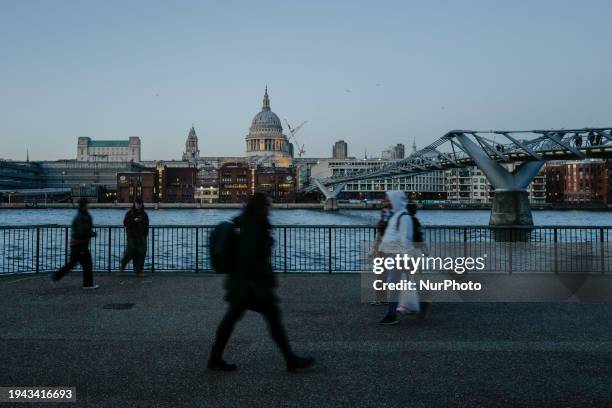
(371, 73)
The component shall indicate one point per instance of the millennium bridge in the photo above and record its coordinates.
(525, 150)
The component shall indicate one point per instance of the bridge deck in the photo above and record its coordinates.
(464, 354)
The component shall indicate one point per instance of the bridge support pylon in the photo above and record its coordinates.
(510, 208)
(510, 204)
(331, 196)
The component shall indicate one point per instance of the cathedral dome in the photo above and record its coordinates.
(266, 122)
(266, 139)
(266, 119)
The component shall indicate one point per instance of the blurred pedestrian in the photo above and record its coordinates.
(399, 239)
(420, 246)
(81, 233)
(250, 286)
(136, 223)
(385, 214)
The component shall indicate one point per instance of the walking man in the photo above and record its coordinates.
(81, 233)
(250, 286)
(136, 223)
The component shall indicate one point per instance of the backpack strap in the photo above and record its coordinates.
(397, 223)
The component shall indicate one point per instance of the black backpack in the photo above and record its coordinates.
(223, 246)
(417, 230)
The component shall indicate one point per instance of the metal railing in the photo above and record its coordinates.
(320, 248)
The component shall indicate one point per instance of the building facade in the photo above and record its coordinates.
(423, 186)
(266, 144)
(20, 175)
(235, 182)
(579, 182)
(340, 150)
(277, 182)
(131, 185)
(179, 184)
(70, 173)
(396, 152)
(470, 185)
(108, 150)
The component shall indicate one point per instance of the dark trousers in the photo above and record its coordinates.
(269, 311)
(79, 254)
(136, 251)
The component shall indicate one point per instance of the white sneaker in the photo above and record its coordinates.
(404, 312)
(91, 287)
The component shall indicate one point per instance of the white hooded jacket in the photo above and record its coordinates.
(398, 239)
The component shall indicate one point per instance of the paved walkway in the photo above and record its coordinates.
(154, 354)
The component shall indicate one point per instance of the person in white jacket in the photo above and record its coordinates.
(398, 239)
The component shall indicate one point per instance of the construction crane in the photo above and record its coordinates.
(292, 132)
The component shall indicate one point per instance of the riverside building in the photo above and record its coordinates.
(89, 150)
(423, 186)
(470, 185)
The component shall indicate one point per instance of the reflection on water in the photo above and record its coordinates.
(296, 217)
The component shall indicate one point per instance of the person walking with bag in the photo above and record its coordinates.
(397, 240)
(419, 302)
(81, 233)
(136, 223)
(250, 286)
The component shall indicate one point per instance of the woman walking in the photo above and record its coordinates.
(250, 286)
(136, 223)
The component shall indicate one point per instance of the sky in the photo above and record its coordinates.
(371, 73)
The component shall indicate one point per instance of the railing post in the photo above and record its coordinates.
(152, 249)
(329, 240)
(510, 252)
(108, 268)
(602, 250)
(65, 244)
(37, 249)
(465, 242)
(285, 249)
(556, 250)
(197, 245)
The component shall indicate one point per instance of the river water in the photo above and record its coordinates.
(296, 217)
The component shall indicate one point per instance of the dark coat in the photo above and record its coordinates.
(253, 281)
(82, 228)
(136, 223)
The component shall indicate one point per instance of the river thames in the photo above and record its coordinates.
(23, 217)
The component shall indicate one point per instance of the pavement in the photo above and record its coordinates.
(154, 353)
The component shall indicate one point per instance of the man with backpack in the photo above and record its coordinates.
(402, 236)
(250, 283)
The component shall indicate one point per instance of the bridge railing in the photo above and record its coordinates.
(320, 248)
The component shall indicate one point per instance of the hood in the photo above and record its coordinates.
(398, 200)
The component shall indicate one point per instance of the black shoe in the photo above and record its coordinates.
(221, 365)
(299, 363)
(388, 320)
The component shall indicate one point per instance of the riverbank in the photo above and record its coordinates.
(302, 206)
